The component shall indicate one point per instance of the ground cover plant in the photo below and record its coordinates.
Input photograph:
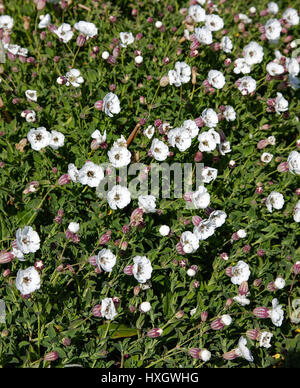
(96, 275)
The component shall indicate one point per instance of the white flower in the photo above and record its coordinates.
(191, 272)
(158, 24)
(215, 135)
(214, 22)
(253, 53)
(292, 66)
(229, 113)
(90, 174)
(247, 85)
(180, 138)
(12, 48)
(276, 313)
(159, 150)
(271, 140)
(111, 104)
(118, 197)
(73, 172)
(217, 218)
(39, 138)
(106, 260)
(208, 174)
(226, 44)
(241, 233)
(108, 309)
(189, 242)
(119, 156)
(174, 78)
(265, 339)
(207, 142)
(291, 16)
(73, 227)
(149, 131)
(121, 142)
(273, 8)
(274, 68)
(147, 203)
(57, 140)
(294, 82)
(204, 230)
(184, 71)
(74, 78)
(28, 241)
(224, 147)
(266, 157)
(296, 215)
(241, 300)
(281, 104)
(243, 351)
(273, 29)
(164, 230)
(244, 18)
(205, 355)
(240, 273)
(200, 198)
(279, 283)
(100, 139)
(145, 307)
(293, 161)
(226, 319)
(216, 79)
(295, 316)
(105, 55)
(45, 21)
(126, 38)
(30, 116)
(64, 32)
(138, 59)
(142, 269)
(89, 30)
(31, 95)
(28, 280)
(6, 22)
(191, 127)
(197, 13)
(203, 35)
(274, 200)
(210, 118)
(241, 66)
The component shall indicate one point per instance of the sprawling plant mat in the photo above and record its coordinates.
(99, 266)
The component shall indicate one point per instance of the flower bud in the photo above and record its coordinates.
(217, 324)
(6, 273)
(52, 356)
(261, 312)
(204, 315)
(243, 288)
(296, 268)
(97, 311)
(81, 39)
(128, 270)
(154, 333)
(230, 355)
(64, 179)
(99, 105)
(164, 81)
(66, 341)
(253, 334)
(6, 257)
